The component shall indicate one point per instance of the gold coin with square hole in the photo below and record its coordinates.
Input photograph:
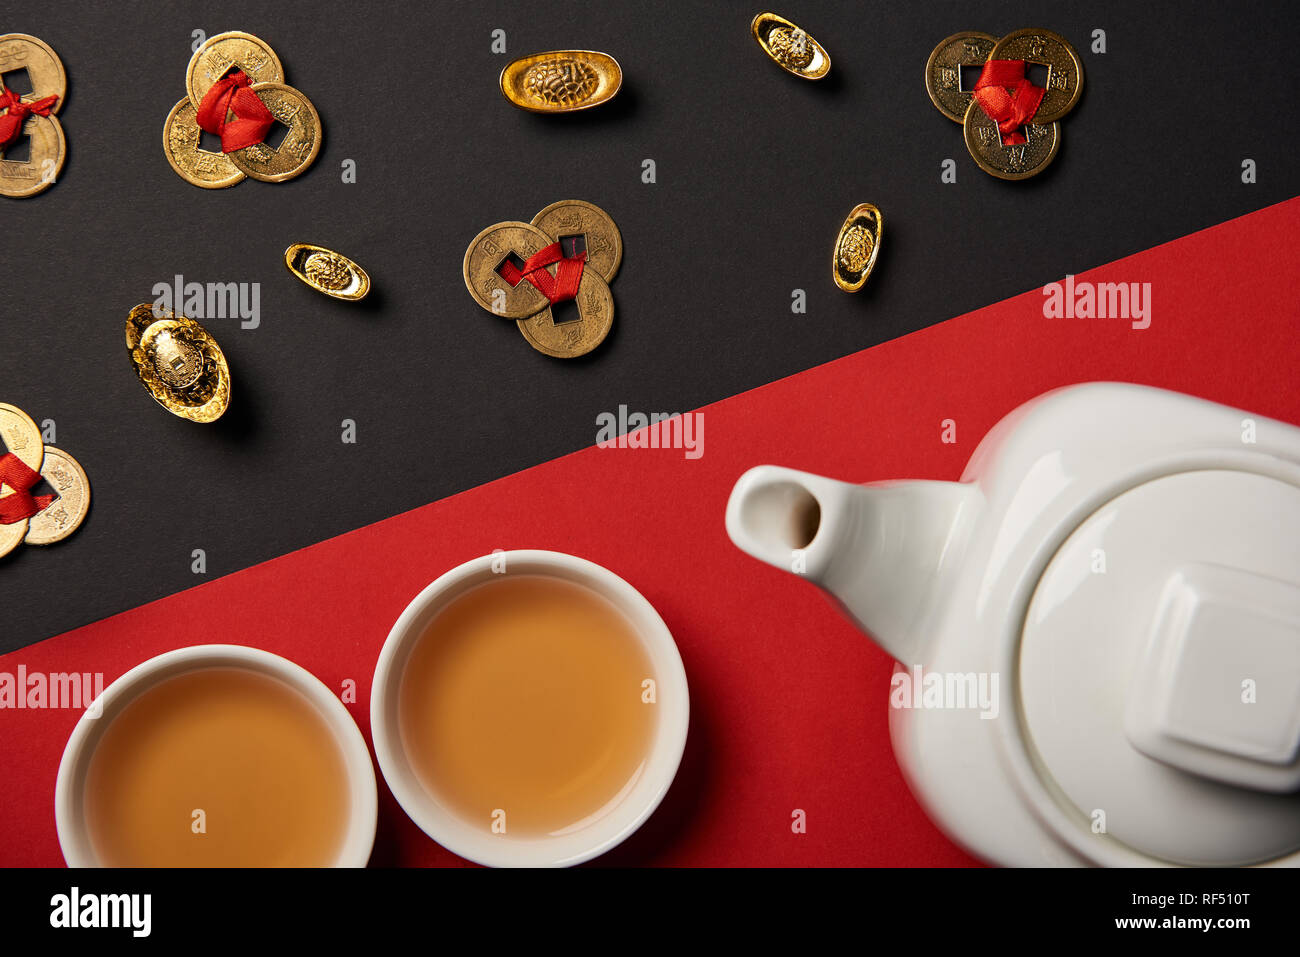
(19, 435)
(572, 218)
(297, 151)
(230, 51)
(943, 70)
(567, 340)
(45, 72)
(1016, 161)
(484, 256)
(65, 514)
(1064, 84)
(195, 165)
(22, 178)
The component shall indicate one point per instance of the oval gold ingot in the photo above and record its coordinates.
(561, 81)
(790, 47)
(327, 271)
(45, 72)
(40, 171)
(297, 151)
(857, 246)
(179, 363)
(65, 514)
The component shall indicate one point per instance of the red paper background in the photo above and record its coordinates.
(788, 701)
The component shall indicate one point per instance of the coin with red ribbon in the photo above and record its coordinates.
(520, 271)
(27, 116)
(44, 493)
(235, 85)
(1010, 123)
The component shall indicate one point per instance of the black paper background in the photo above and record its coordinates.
(755, 171)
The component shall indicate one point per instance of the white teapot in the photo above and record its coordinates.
(1098, 627)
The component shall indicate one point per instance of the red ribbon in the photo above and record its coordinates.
(563, 285)
(11, 124)
(1008, 98)
(22, 504)
(251, 120)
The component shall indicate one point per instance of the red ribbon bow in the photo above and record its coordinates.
(22, 504)
(1009, 110)
(11, 124)
(251, 119)
(563, 285)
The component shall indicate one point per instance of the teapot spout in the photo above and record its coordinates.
(880, 550)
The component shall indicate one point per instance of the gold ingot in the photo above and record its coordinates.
(943, 71)
(41, 169)
(19, 435)
(65, 514)
(1064, 83)
(197, 166)
(568, 340)
(297, 151)
(790, 47)
(179, 363)
(572, 219)
(327, 271)
(1013, 161)
(230, 51)
(857, 246)
(483, 258)
(18, 51)
(561, 81)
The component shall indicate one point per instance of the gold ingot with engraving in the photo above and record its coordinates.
(561, 81)
(790, 47)
(179, 363)
(327, 271)
(857, 246)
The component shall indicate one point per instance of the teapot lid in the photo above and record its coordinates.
(1159, 668)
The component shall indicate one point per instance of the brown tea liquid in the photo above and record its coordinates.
(247, 750)
(524, 696)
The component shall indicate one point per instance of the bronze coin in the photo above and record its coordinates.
(484, 256)
(943, 71)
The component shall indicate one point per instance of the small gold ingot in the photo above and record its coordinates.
(327, 271)
(790, 47)
(857, 246)
(179, 363)
(561, 81)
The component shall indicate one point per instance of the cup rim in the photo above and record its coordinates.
(644, 796)
(74, 839)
